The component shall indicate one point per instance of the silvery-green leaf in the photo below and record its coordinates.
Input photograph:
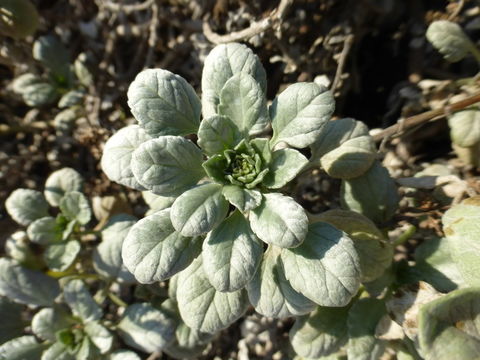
(26, 286)
(44, 231)
(71, 98)
(124, 355)
(231, 254)
(374, 194)
(87, 350)
(335, 133)
(107, 256)
(74, 205)
(321, 333)
(168, 165)
(60, 256)
(146, 328)
(26, 206)
(50, 51)
(223, 62)
(12, 324)
(21, 348)
(48, 321)
(199, 210)
(202, 307)
(18, 247)
(218, 133)
(299, 113)
(60, 182)
(280, 221)
(449, 326)
(164, 103)
(80, 301)
(465, 127)
(285, 165)
(243, 199)
(270, 292)
(99, 335)
(351, 159)
(434, 264)
(188, 343)
(58, 351)
(82, 72)
(375, 254)
(449, 39)
(154, 251)
(19, 18)
(325, 267)
(460, 225)
(242, 99)
(23, 81)
(64, 121)
(262, 147)
(157, 202)
(362, 321)
(38, 94)
(117, 155)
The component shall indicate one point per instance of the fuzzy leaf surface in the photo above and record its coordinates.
(374, 194)
(351, 159)
(243, 199)
(362, 321)
(218, 133)
(280, 221)
(299, 113)
(61, 182)
(199, 210)
(465, 127)
(202, 307)
(146, 328)
(449, 39)
(26, 286)
(231, 254)
(449, 326)
(223, 62)
(117, 155)
(168, 165)
(26, 206)
(284, 166)
(44, 231)
(59, 256)
(74, 205)
(78, 298)
(164, 103)
(242, 99)
(21, 348)
(270, 292)
(321, 333)
(154, 251)
(325, 268)
(107, 256)
(462, 227)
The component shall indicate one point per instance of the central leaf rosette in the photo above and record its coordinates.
(242, 166)
(221, 198)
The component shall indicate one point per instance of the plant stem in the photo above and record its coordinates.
(117, 300)
(405, 236)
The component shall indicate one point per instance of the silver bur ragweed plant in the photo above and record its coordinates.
(222, 224)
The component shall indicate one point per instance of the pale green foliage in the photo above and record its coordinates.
(218, 199)
(18, 18)
(450, 40)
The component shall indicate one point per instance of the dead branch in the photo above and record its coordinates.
(399, 127)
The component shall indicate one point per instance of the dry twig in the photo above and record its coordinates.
(427, 116)
(127, 8)
(272, 21)
(343, 59)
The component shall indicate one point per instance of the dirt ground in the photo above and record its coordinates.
(372, 53)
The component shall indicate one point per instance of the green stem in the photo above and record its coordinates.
(117, 300)
(405, 236)
(475, 52)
